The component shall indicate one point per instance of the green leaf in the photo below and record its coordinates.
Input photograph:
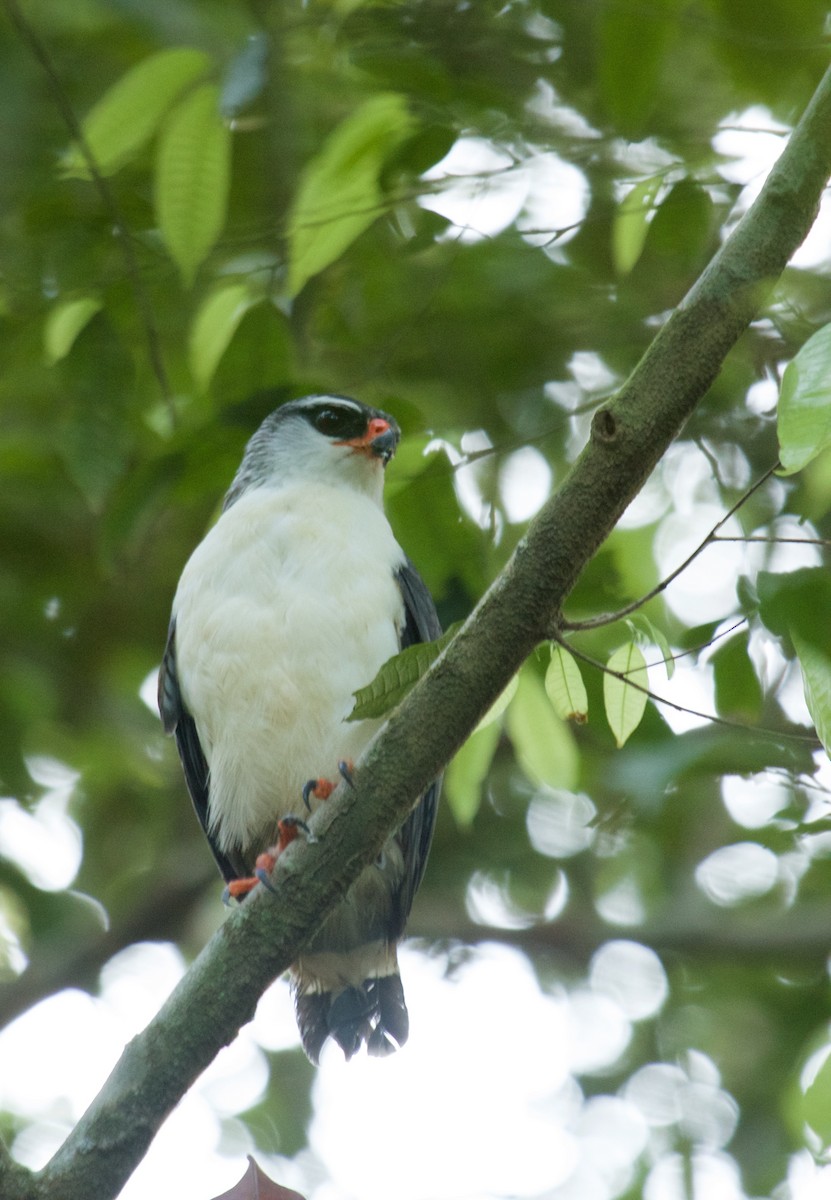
(63, 324)
(499, 705)
(544, 744)
(631, 48)
(397, 676)
(625, 705)
(738, 691)
(804, 418)
(565, 687)
(816, 682)
(796, 602)
(130, 112)
(652, 635)
(339, 194)
(816, 1102)
(468, 771)
(192, 179)
(631, 223)
(214, 325)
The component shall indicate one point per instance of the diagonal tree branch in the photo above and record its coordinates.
(629, 435)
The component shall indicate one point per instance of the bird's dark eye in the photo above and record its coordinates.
(338, 422)
(328, 421)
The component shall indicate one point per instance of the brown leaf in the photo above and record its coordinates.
(254, 1185)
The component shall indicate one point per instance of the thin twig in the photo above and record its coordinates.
(760, 537)
(591, 661)
(610, 618)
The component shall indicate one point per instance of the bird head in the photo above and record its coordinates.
(331, 438)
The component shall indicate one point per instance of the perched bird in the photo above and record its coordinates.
(292, 601)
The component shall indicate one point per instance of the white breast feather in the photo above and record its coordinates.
(286, 607)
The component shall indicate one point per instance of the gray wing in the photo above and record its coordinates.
(421, 624)
(177, 720)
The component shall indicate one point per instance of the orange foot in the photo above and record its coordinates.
(287, 831)
(322, 789)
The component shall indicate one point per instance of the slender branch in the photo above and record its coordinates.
(772, 538)
(610, 618)
(624, 677)
(753, 936)
(629, 435)
(717, 637)
(39, 50)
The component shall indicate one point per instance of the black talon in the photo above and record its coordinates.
(299, 823)
(345, 770)
(308, 787)
(264, 879)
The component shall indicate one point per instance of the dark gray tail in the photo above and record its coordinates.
(374, 1013)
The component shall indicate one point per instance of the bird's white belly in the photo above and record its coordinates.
(286, 607)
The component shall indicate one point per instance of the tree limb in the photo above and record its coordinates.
(629, 435)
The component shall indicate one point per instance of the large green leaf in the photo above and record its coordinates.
(130, 112)
(565, 687)
(340, 194)
(738, 691)
(192, 179)
(631, 223)
(804, 420)
(816, 680)
(816, 1102)
(631, 46)
(215, 323)
(543, 743)
(625, 704)
(797, 602)
(64, 323)
(396, 677)
(468, 771)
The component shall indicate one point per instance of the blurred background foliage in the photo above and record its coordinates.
(490, 304)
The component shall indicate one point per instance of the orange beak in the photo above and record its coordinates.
(378, 440)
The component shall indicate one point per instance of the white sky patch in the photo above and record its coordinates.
(754, 801)
(478, 1141)
(591, 373)
(706, 589)
(485, 188)
(600, 1031)
(751, 142)
(791, 696)
(545, 104)
(692, 687)
(488, 902)
(559, 822)
(714, 1177)
(762, 396)
(46, 1073)
(148, 692)
(556, 200)
(468, 477)
(44, 841)
(733, 874)
(274, 1025)
(622, 903)
(632, 975)
(524, 484)
(651, 502)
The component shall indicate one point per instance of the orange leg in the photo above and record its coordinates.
(287, 831)
(322, 789)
